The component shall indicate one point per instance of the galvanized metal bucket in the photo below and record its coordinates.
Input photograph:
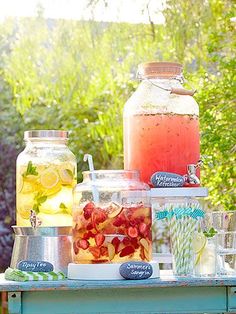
(51, 244)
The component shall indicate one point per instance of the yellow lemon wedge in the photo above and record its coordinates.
(66, 173)
(199, 242)
(49, 178)
(19, 183)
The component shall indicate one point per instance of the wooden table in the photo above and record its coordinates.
(165, 295)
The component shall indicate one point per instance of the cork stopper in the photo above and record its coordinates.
(159, 70)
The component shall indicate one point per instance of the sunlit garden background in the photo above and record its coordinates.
(78, 74)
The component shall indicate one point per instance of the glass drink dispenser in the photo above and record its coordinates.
(111, 218)
(46, 174)
(161, 125)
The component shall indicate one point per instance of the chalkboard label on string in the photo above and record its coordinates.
(167, 180)
(35, 266)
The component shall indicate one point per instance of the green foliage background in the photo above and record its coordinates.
(78, 75)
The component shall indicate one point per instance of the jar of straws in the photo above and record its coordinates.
(183, 220)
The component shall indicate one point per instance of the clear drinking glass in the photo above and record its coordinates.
(222, 221)
(205, 255)
(226, 252)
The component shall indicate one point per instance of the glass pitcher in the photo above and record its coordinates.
(111, 218)
(45, 176)
(161, 124)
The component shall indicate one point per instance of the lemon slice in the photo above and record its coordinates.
(199, 242)
(19, 183)
(49, 178)
(66, 173)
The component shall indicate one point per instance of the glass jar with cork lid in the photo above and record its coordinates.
(161, 123)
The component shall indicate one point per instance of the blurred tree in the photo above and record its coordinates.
(78, 75)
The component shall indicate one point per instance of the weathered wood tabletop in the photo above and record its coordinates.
(167, 294)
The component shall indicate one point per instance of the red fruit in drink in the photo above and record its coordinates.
(98, 216)
(142, 228)
(83, 244)
(95, 251)
(120, 247)
(114, 210)
(88, 209)
(101, 217)
(89, 205)
(126, 241)
(99, 261)
(88, 235)
(128, 250)
(132, 232)
(134, 243)
(116, 242)
(118, 222)
(104, 251)
(132, 223)
(99, 239)
(76, 249)
(89, 226)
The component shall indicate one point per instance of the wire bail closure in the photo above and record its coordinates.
(172, 90)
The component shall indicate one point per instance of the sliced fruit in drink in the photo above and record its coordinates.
(83, 244)
(66, 173)
(142, 228)
(95, 251)
(128, 250)
(19, 183)
(60, 202)
(76, 249)
(145, 244)
(99, 261)
(111, 251)
(49, 178)
(132, 232)
(146, 254)
(25, 203)
(99, 239)
(114, 210)
(88, 209)
(104, 250)
(116, 241)
(199, 242)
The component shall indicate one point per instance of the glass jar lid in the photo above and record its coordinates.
(46, 134)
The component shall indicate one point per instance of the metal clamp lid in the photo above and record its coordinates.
(46, 134)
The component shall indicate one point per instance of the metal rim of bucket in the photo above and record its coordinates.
(43, 231)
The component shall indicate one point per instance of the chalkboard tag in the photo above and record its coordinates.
(167, 180)
(136, 270)
(35, 266)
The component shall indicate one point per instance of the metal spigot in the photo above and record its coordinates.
(191, 177)
(34, 220)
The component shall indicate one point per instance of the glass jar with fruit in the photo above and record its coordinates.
(111, 218)
(161, 124)
(45, 176)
